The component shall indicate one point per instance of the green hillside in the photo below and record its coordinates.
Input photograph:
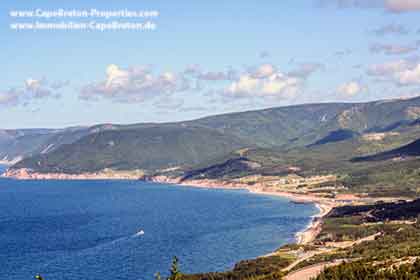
(317, 138)
(145, 148)
(27, 142)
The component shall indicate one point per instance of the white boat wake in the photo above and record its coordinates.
(139, 233)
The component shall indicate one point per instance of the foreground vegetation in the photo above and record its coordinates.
(362, 271)
(267, 268)
(391, 249)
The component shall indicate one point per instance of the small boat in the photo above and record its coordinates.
(141, 232)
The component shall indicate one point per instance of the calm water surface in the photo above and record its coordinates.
(87, 229)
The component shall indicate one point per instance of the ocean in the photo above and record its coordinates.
(131, 229)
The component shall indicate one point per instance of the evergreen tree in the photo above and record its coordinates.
(175, 274)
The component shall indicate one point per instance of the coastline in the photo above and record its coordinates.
(305, 236)
(309, 234)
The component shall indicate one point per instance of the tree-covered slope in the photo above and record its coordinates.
(27, 142)
(312, 136)
(305, 124)
(145, 148)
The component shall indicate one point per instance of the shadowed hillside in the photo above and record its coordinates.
(410, 150)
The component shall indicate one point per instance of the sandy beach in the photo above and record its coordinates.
(307, 235)
(314, 228)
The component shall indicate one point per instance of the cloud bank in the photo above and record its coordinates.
(394, 6)
(403, 72)
(134, 84)
(32, 89)
(392, 49)
(138, 84)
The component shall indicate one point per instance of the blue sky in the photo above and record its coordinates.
(206, 58)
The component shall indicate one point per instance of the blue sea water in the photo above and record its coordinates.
(87, 229)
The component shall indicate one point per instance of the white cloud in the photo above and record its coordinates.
(10, 97)
(400, 6)
(409, 76)
(401, 72)
(390, 49)
(275, 85)
(388, 68)
(245, 85)
(264, 71)
(350, 89)
(30, 90)
(134, 84)
(395, 6)
(306, 69)
(195, 70)
(213, 76)
(192, 69)
(351, 3)
(37, 88)
(116, 77)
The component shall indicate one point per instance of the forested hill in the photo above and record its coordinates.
(142, 148)
(189, 143)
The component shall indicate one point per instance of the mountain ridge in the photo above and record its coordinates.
(276, 129)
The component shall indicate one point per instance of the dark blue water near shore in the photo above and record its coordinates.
(87, 229)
